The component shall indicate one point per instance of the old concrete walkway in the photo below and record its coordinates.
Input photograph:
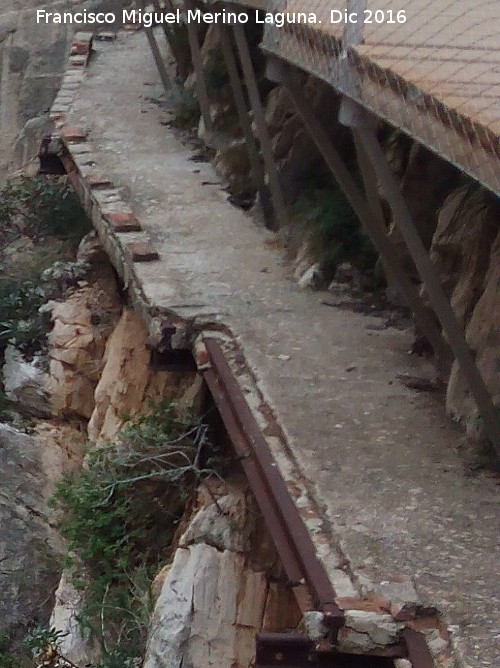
(381, 461)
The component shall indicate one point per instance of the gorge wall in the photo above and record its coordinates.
(218, 584)
(33, 59)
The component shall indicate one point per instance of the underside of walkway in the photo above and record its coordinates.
(382, 462)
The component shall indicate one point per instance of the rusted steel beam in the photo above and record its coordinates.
(291, 564)
(418, 651)
(258, 173)
(270, 478)
(288, 532)
(155, 50)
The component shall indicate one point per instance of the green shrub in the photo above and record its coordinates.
(7, 658)
(20, 321)
(119, 518)
(186, 111)
(333, 230)
(43, 206)
(41, 641)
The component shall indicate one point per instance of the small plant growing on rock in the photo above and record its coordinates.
(45, 645)
(333, 230)
(21, 323)
(43, 206)
(7, 658)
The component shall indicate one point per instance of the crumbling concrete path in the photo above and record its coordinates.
(381, 460)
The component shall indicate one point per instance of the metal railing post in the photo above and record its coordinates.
(258, 173)
(260, 124)
(155, 49)
(201, 86)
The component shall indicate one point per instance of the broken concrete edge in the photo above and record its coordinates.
(368, 625)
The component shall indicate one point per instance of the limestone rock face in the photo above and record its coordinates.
(76, 645)
(426, 180)
(466, 251)
(426, 183)
(28, 545)
(483, 335)
(77, 341)
(296, 155)
(25, 382)
(233, 165)
(211, 602)
(61, 450)
(127, 382)
(462, 245)
(33, 60)
(82, 324)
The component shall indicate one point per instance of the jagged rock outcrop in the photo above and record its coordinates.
(25, 382)
(215, 595)
(29, 546)
(77, 645)
(127, 383)
(81, 326)
(296, 155)
(466, 251)
(426, 180)
(87, 309)
(33, 58)
(483, 336)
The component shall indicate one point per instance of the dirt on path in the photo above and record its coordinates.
(381, 460)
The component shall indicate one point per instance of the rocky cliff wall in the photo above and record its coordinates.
(94, 371)
(33, 59)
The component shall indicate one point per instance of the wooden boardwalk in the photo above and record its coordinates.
(436, 76)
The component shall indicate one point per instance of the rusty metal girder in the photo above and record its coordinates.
(287, 650)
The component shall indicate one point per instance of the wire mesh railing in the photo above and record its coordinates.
(429, 67)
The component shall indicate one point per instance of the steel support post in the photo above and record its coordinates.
(441, 305)
(371, 221)
(424, 316)
(260, 124)
(258, 173)
(201, 86)
(168, 7)
(155, 49)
